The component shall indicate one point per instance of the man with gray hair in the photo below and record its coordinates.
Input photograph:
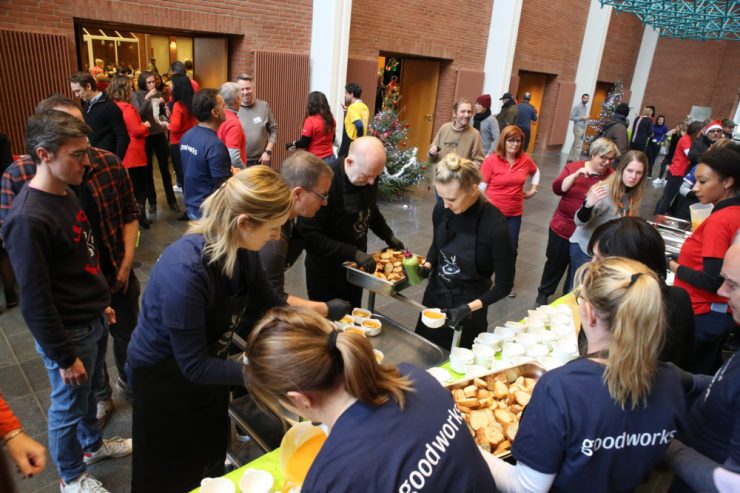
(258, 123)
(231, 132)
(309, 179)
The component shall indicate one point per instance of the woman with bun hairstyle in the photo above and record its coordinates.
(635, 238)
(298, 360)
(603, 421)
(199, 290)
(504, 173)
(702, 255)
(470, 244)
(617, 196)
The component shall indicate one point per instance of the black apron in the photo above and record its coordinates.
(455, 281)
(181, 428)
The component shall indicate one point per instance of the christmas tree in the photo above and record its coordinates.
(402, 170)
(607, 111)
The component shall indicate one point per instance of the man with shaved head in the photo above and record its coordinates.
(338, 231)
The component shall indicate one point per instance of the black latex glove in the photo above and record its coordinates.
(424, 271)
(456, 315)
(395, 243)
(687, 379)
(367, 262)
(338, 308)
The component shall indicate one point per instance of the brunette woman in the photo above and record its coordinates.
(319, 128)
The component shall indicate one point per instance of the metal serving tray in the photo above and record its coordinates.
(528, 370)
(372, 283)
(401, 345)
(673, 223)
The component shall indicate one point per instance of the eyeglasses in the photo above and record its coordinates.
(607, 158)
(718, 130)
(324, 198)
(79, 155)
(513, 141)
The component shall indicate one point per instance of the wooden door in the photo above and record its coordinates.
(533, 83)
(211, 61)
(419, 81)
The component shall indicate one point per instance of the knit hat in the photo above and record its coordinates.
(484, 100)
(715, 125)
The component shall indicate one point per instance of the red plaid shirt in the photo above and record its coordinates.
(109, 185)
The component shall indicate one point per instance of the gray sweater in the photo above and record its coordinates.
(601, 213)
(259, 127)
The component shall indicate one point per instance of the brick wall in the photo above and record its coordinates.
(685, 73)
(549, 41)
(431, 28)
(281, 25)
(727, 84)
(622, 47)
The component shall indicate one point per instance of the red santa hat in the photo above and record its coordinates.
(715, 125)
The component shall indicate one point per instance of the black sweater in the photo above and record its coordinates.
(51, 247)
(108, 128)
(494, 253)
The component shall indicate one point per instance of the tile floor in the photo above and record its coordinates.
(25, 385)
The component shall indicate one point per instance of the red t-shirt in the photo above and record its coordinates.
(322, 142)
(562, 220)
(680, 164)
(8, 421)
(232, 135)
(712, 238)
(505, 183)
(181, 120)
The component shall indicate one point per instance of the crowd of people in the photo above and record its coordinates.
(640, 393)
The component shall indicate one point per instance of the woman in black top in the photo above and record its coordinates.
(634, 238)
(470, 244)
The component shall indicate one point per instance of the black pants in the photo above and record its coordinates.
(527, 135)
(180, 430)
(177, 164)
(653, 150)
(673, 185)
(140, 181)
(326, 281)
(157, 144)
(126, 306)
(558, 261)
(712, 329)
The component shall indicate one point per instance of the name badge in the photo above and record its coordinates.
(257, 120)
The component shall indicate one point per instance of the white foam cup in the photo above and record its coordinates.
(256, 481)
(459, 357)
(505, 333)
(217, 485)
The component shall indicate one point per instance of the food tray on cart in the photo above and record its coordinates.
(377, 283)
(401, 345)
(674, 232)
(492, 404)
(671, 223)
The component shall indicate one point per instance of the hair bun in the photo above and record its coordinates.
(453, 162)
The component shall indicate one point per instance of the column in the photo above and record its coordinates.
(592, 49)
(329, 52)
(642, 70)
(502, 32)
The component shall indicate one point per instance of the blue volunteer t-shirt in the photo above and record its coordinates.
(714, 426)
(574, 429)
(206, 165)
(426, 447)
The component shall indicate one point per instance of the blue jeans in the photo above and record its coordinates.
(515, 224)
(577, 258)
(73, 426)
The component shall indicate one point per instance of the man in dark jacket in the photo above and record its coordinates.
(508, 113)
(642, 129)
(616, 128)
(711, 134)
(526, 114)
(102, 114)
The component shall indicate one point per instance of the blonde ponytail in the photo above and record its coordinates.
(627, 296)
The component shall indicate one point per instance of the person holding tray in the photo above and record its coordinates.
(298, 361)
(605, 419)
(470, 243)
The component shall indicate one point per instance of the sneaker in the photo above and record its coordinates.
(176, 188)
(83, 484)
(112, 447)
(105, 409)
(512, 295)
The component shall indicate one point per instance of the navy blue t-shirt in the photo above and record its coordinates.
(426, 447)
(206, 164)
(714, 425)
(175, 305)
(574, 429)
